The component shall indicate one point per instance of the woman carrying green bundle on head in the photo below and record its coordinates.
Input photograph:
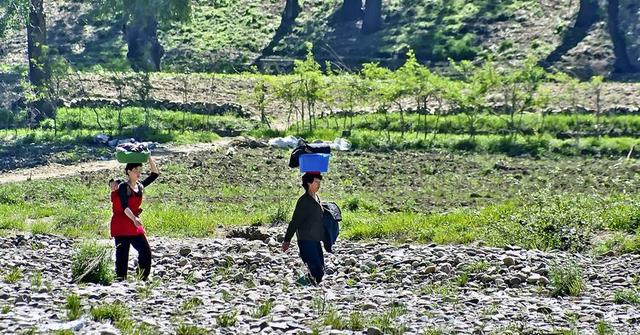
(126, 225)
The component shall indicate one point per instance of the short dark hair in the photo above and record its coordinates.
(308, 178)
(131, 166)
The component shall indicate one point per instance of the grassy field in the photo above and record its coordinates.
(491, 124)
(565, 135)
(71, 138)
(571, 204)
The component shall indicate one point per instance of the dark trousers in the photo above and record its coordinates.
(312, 256)
(141, 245)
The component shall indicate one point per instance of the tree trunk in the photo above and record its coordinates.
(351, 10)
(372, 16)
(622, 63)
(291, 11)
(39, 70)
(587, 16)
(144, 50)
(289, 15)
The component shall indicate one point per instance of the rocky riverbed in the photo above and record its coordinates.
(375, 287)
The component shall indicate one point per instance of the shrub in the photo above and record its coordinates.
(91, 263)
(114, 311)
(73, 306)
(566, 280)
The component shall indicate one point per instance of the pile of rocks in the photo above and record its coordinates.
(459, 289)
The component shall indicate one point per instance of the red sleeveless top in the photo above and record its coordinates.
(121, 225)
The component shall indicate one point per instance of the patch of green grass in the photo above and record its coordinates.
(91, 263)
(603, 328)
(145, 288)
(619, 243)
(386, 321)
(333, 319)
(477, 266)
(13, 275)
(41, 227)
(110, 311)
(319, 304)
(127, 326)
(356, 321)
(36, 279)
(72, 135)
(5, 309)
(462, 279)
(433, 331)
(627, 296)
(263, 309)
(566, 280)
(488, 124)
(446, 290)
(73, 306)
(227, 319)
(185, 329)
(190, 304)
(543, 145)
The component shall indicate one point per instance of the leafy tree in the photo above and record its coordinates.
(381, 90)
(30, 14)
(139, 20)
(310, 85)
(520, 88)
(347, 92)
(285, 90)
(471, 93)
(572, 88)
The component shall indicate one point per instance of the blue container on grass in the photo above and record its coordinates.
(314, 162)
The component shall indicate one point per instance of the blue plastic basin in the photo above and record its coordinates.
(314, 162)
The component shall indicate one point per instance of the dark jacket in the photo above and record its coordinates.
(332, 215)
(307, 222)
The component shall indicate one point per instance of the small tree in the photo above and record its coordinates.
(595, 86)
(422, 85)
(520, 88)
(542, 102)
(571, 89)
(60, 70)
(310, 82)
(381, 90)
(470, 94)
(439, 86)
(184, 89)
(260, 100)
(120, 82)
(285, 90)
(346, 91)
(406, 82)
(143, 88)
